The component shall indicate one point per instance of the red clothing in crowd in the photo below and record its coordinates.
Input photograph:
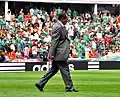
(108, 39)
(30, 51)
(12, 55)
(52, 14)
(118, 19)
(27, 17)
(7, 54)
(92, 54)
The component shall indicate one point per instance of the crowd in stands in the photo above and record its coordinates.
(29, 35)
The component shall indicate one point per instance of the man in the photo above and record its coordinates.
(2, 57)
(59, 53)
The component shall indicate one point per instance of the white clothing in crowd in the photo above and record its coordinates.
(70, 29)
(99, 35)
(94, 45)
(47, 39)
(34, 50)
(8, 16)
(31, 11)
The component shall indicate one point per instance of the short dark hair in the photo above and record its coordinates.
(63, 15)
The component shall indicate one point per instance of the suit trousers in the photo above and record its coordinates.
(64, 70)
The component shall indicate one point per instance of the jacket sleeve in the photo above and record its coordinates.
(55, 41)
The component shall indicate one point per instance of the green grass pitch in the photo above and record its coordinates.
(89, 83)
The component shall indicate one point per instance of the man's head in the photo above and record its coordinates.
(63, 18)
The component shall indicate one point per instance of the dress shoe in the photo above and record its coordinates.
(71, 90)
(39, 87)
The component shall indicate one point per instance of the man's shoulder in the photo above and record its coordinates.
(56, 25)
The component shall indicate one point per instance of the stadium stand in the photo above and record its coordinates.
(26, 34)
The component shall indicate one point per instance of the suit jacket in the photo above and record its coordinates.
(60, 44)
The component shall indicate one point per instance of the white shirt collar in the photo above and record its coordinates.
(60, 23)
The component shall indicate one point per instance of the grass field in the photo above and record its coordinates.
(89, 84)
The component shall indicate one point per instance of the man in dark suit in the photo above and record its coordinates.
(59, 53)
